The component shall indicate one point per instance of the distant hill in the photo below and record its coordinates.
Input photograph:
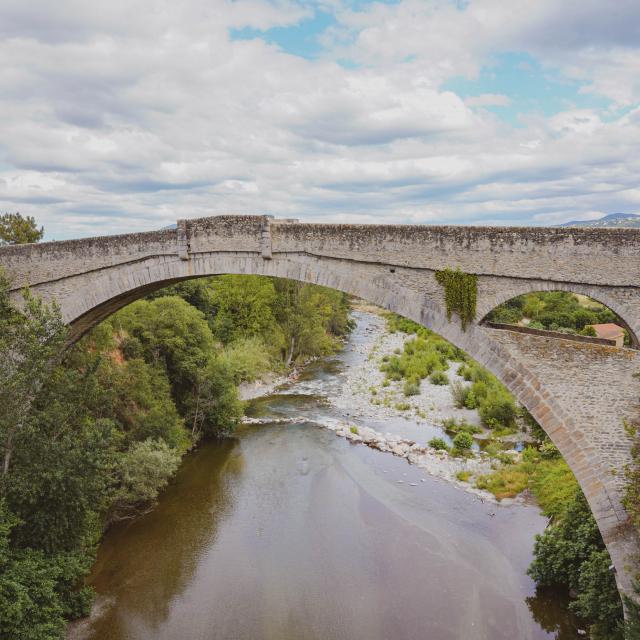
(612, 220)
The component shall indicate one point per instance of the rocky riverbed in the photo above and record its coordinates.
(381, 417)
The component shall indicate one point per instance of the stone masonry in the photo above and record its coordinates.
(580, 393)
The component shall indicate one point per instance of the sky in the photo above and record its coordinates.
(128, 115)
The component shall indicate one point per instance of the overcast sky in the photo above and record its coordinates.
(126, 115)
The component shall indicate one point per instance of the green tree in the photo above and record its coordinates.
(143, 471)
(30, 343)
(18, 229)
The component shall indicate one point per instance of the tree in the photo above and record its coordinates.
(30, 344)
(18, 229)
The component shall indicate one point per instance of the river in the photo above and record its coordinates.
(287, 532)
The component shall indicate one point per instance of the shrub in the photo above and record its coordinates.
(463, 441)
(470, 402)
(144, 470)
(411, 388)
(439, 378)
(402, 406)
(549, 451)
(505, 458)
(459, 392)
(499, 411)
(463, 476)
(438, 444)
(248, 359)
(353, 429)
(465, 371)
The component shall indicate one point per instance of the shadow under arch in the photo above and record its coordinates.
(121, 285)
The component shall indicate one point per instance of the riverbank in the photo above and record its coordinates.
(374, 411)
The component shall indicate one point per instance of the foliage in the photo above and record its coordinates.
(142, 472)
(248, 359)
(18, 229)
(556, 311)
(631, 499)
(411, 388)
(463, 441)
(30, 342)
(439, 378)
(455, 426)
(438, 444)
(598, 599)
(495, 404)
(571, 553)
(460, 294)
(170, 334)
(506, 483)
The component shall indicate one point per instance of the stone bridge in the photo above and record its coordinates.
(580, 393)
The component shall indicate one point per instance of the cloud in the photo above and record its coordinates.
(125, 116)
(488, 100)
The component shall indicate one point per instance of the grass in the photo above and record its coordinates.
(504, 483)
(550, 480)
(463, 476)
(353, 429)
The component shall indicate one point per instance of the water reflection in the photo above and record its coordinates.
(549, 608)
(144, 564)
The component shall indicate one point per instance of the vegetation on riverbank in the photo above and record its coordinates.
(570, 553)
(555, 311)
(428, 356)
(94, 437)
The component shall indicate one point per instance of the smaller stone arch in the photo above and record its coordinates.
(616, 301)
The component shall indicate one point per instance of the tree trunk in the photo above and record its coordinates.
(291, 348)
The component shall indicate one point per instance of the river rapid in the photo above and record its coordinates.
(287, 532)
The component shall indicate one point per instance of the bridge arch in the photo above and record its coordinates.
(615, 301)
(111, 291)
(579, 393)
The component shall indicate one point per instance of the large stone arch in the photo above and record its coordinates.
(580, 393)
(107, 293)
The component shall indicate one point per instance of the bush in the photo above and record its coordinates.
(353, 429)
(499, 411)
(463, 476)
(438, 444)
(549, 451)
(471, 402)
(459, 392)
(463, 441)
(144, 470)
(248, 359)
(411, 388)
(439, 378)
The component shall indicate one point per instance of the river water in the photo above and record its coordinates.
(287, 532)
